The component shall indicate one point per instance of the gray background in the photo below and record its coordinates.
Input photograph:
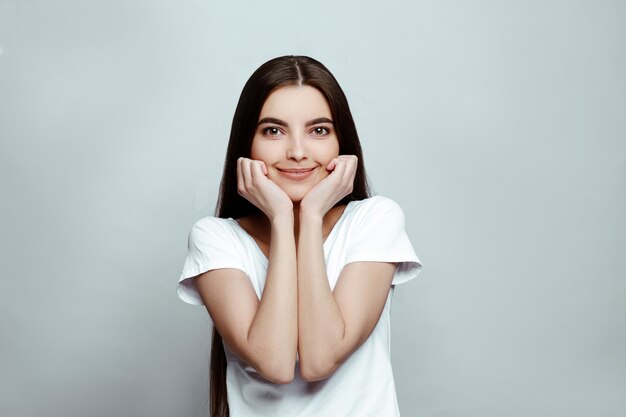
(499, 127)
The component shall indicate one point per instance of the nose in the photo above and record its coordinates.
(296, 149)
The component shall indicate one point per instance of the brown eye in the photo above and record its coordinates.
(320, 131)
(271, 131)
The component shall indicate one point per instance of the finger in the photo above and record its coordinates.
(353, 169)
(348, 172)
(256, 171)
(264, 168)
(351, 162)
(331, 165)
(247, 175)
(350, 159)
(339, 170)
(240, 181)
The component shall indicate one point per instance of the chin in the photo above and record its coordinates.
(296, 192)
(296, 198)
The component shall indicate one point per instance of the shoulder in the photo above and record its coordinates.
(212, 223)
(210, 228)
(378, 234)
(376, 206)
(377, 201)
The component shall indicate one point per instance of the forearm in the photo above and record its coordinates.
(273, 332)
(321, 327)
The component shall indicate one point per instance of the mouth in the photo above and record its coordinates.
(296, 173)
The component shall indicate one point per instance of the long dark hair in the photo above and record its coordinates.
(276, 73)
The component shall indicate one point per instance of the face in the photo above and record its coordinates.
(296, 139)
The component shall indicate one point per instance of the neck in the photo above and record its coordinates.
(259, 227)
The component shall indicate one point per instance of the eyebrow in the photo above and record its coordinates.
(273, 120)
(319, 121)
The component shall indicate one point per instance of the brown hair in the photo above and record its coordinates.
(276, 73)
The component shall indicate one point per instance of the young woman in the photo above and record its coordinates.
(297, 269)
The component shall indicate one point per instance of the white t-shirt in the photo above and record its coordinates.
(368, 230)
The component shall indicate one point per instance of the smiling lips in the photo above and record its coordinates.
(296, 173)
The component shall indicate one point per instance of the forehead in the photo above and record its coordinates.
(296, 103)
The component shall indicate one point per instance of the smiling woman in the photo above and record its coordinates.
(295, 139)
(298, 268)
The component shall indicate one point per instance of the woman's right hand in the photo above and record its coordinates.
(254, 186)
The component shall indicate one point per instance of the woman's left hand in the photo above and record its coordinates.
(333, 188)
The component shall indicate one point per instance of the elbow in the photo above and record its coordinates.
(276, 364)
(281, 378)
(277, 373)
(312, 372)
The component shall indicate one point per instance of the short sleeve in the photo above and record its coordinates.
(380, 236)
(211, 245)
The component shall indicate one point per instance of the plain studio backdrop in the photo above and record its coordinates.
(498, 126)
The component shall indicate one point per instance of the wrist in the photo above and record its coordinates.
(284, 220)
(310, 217)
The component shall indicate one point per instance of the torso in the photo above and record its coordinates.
(355, 233)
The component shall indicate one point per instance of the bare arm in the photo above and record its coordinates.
(333, 325)
(263, 333)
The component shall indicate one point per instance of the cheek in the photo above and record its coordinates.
(258, 151)
(331, 150)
